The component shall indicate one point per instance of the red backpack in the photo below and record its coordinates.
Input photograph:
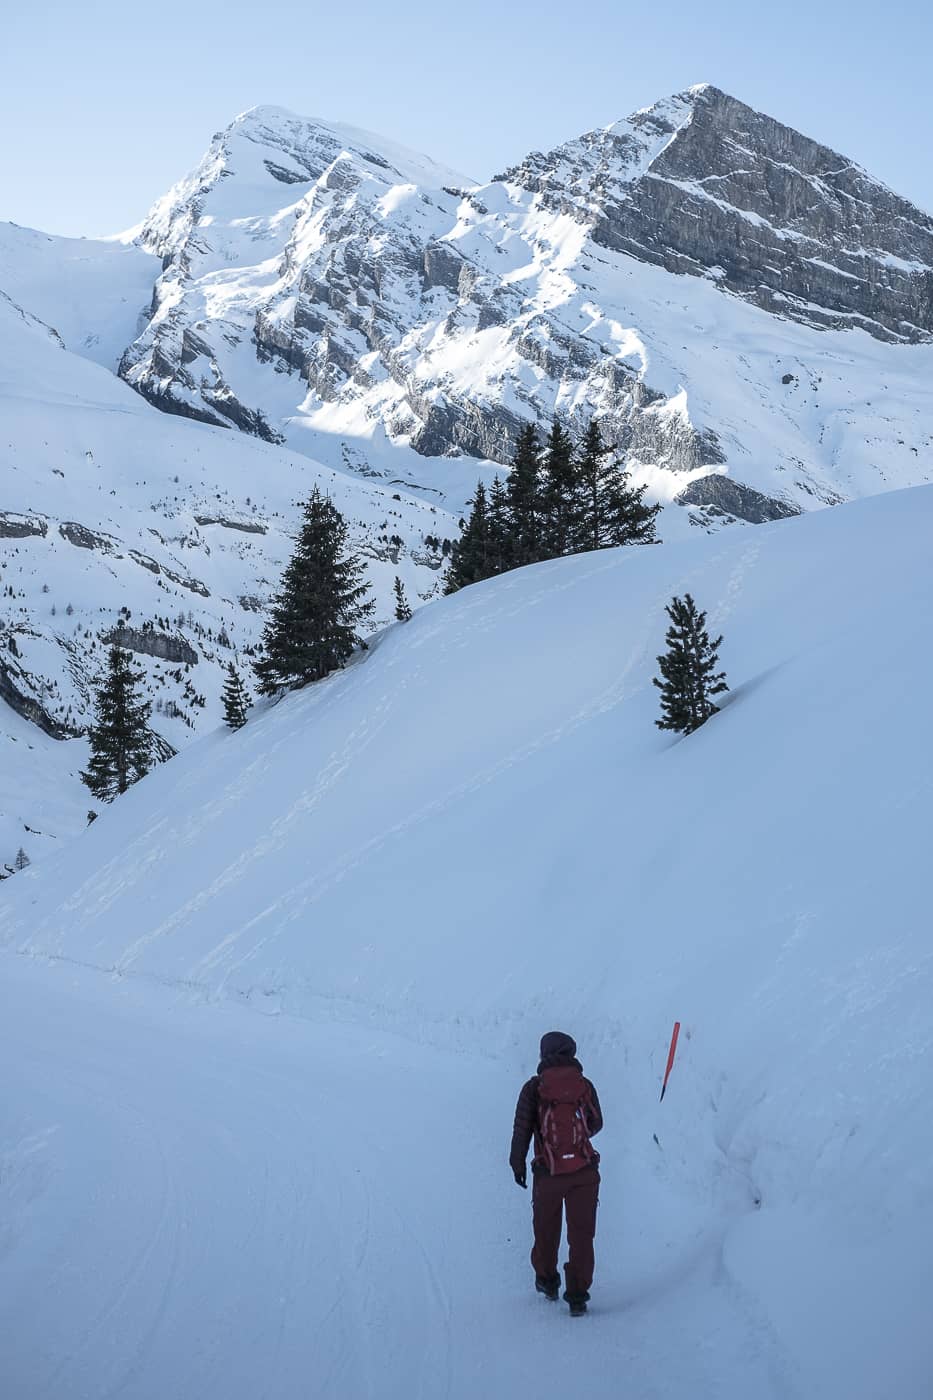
(564, 1105)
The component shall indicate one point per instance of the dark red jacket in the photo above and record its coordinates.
(526, 1118)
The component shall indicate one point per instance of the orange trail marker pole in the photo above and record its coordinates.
(670, 1059)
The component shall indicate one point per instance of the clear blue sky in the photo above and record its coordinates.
(106, 104)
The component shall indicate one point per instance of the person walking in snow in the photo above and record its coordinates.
(559, 1108)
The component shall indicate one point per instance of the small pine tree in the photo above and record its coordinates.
(688, 668)
(121, 743)
(22, 860)
(313, 627)
(235, 699)
(402, 608)
(524, 493)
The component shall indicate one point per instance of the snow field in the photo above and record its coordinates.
(472, 837)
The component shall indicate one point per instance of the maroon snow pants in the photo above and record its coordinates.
(577, 1193)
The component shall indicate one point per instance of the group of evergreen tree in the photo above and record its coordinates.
(311, 631)
(120, 738)
(559, 499)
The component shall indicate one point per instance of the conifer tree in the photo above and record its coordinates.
(610, 510)
(688, 669)
(236, 702)
(120, 739)
(322, 600)
(22, 860)
(469, 556)
(402, 607)
(524, 495)
(559, 496)
(500, 547)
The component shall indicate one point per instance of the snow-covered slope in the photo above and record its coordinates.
(721, 290)
(113, 512)
(97, 293)
(474, 836)
(748, 314)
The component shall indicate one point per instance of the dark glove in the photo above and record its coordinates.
(521, 1176)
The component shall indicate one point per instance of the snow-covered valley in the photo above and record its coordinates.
(266, 1019)
(412, 870)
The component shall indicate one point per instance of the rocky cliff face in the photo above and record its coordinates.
(704, 185)
(324, 288)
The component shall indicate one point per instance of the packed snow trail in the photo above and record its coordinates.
(201, 1202)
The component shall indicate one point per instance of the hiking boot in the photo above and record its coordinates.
(577, 1303)
(550, 1287)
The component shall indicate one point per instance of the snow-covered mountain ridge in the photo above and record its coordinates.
(323, 288)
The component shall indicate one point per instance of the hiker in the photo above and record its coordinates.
(560, 1109)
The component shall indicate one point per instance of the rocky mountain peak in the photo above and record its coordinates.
(701, 183)
(324, 286)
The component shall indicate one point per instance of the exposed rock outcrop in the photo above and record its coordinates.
(14, 526)
(148, 641)
(722, 494)
(83, 538)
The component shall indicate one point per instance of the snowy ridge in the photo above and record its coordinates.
(95, 293)
(415, 845)
(324, 290)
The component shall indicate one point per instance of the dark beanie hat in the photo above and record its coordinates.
(556, 1043)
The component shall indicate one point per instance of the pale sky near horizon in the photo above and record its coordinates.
(105, 105)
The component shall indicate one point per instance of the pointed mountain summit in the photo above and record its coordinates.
(702, 183)
(274, 192)
(324, 287)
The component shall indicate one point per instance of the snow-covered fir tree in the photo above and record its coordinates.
(402, 605)
(120, 739)
(235, 699)
(314, 622)
(21, 861)
(688, 669)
